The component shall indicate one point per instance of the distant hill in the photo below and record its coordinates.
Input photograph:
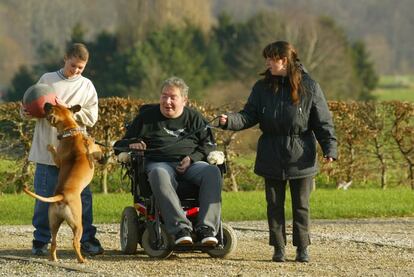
(26, 24)
(386, 26)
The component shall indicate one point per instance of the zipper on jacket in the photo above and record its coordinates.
(281, 98)
(284, 170)
(274, 107)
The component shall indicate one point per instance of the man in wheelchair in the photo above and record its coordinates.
(177, 143)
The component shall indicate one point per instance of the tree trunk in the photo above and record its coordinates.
(229, 165)
(104, 180)
(381, 159)
(104, 177)
(233, 186)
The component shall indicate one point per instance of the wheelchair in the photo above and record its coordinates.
(142, 223)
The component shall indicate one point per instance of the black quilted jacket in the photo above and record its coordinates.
(287, 147)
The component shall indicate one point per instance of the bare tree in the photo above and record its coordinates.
(403, 134)
(137, 18)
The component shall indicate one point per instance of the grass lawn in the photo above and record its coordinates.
(395, 88)
(325, 204)
(394, 94)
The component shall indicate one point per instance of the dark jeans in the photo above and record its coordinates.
(162, 178)
(300, 190)
(45, 181)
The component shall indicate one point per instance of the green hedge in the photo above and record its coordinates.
(375, 142)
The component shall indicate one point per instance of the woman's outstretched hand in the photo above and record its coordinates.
(223, 120)
(328, 159)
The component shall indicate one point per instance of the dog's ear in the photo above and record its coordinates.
(47, 107)
(75, 108)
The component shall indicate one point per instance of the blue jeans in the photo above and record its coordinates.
(45, 181)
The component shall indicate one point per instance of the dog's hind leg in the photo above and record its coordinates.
(77, 234)
(55, 220)
(74, 220)
(54, 228)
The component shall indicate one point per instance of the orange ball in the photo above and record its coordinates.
(36, 97)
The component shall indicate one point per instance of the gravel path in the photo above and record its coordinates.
(372, 247)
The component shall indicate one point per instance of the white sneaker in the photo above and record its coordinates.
(209, 241)
(183, 237)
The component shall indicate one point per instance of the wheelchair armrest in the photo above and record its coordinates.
(143, 185)
(223, 168)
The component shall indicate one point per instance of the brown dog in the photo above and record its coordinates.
(74, 157)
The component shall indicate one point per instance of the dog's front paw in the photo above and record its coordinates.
(51, 148)
(98, 156)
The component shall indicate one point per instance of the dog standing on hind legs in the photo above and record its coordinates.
(74, 157)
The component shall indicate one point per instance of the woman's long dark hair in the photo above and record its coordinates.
(283, 49)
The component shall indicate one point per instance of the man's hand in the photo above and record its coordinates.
(24, 113)
(328, 159)
(184, 164)
(138, 145)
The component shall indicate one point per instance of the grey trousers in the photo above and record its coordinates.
(300, 190)
(162, 177)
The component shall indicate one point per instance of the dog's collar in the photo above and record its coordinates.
(70, 132)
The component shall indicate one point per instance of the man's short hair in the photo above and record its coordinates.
(77, 50)
(178, 83)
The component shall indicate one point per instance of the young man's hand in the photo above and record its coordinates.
(24, 113)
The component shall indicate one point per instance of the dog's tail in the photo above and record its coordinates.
(52, 199)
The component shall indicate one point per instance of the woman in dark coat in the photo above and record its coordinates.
(292, 113)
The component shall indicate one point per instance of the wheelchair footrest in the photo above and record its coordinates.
(194, 247)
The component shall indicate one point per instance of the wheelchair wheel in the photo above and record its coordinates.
(129, 234)
(229, 243)
(161, 251)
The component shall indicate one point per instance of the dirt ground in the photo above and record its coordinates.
(372, 247)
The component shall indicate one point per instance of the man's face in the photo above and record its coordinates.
(172, 102)
(73, 67)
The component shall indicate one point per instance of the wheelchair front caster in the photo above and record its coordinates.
(228, 245)
(160, 248)
(130, 231)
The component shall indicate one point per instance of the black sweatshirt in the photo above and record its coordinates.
(170, 139)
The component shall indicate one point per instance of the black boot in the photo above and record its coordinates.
(302, 255)
(279, 254)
